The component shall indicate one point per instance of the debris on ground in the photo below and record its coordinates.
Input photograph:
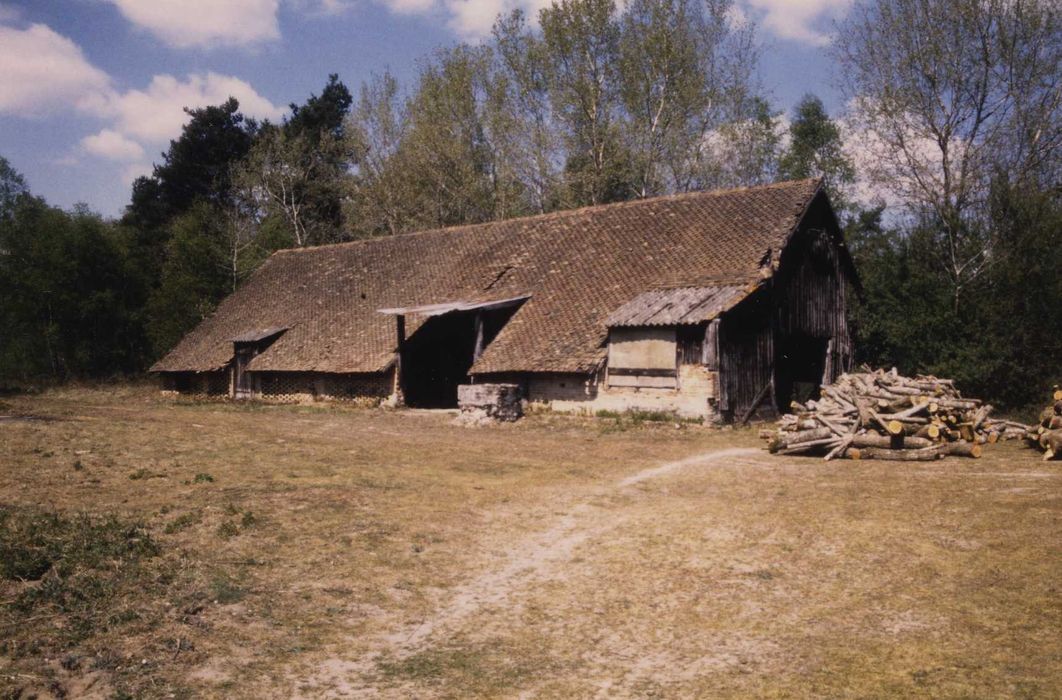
(884, 415)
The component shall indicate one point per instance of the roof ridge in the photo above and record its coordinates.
(562, 213)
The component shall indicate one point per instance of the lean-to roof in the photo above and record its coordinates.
(577, 267)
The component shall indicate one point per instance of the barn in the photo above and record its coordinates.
(720, 304)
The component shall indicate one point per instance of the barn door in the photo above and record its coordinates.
(243, 388)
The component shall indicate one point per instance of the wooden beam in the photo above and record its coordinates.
(478, 349)
(758, 400)
(400, 332)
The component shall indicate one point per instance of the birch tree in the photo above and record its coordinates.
(952, 94)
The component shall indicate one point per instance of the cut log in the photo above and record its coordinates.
(923, 455)
(964, 449)
(931, 431)
(1052, 443)
(787, 440)
(893, 442)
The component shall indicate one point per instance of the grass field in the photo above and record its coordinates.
(153, 548)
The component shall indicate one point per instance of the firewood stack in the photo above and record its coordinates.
(882, 415)
(1048, 434)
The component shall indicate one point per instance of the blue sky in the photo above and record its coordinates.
(92, 90)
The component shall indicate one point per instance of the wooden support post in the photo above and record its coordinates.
(710, 349)
(400, 331)
(478, 350)
(827, 371)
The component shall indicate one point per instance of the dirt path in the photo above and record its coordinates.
(535, 559)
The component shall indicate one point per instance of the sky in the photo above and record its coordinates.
(92, 91)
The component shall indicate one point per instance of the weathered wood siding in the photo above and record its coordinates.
(769, 338)
(746, 349)
(812, 287)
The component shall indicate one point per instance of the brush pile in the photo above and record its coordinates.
(882, 415)
(1048, 434)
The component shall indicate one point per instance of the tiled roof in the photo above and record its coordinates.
(576, 266)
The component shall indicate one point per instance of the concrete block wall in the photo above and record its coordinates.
(490, 401)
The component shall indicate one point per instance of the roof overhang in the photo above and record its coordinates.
(678, 307)
(447, 307)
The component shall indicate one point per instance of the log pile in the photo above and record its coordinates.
(1048, 434)
(883, 415)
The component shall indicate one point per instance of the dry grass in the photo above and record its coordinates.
(320, 551)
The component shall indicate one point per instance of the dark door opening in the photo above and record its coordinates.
(242, 385)
(437, 357)
(800, 361)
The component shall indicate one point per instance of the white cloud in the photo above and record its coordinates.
(798, 20)
(189, 23)
(474, 19)
(111, 145)
(43, 71)
(326, 8)
(135, 170)
(157, 114)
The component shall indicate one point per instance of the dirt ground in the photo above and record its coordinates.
(329, 552)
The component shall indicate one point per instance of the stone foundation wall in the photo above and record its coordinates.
(694, 396)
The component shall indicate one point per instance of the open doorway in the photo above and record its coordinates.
(800, 362)
(437, 357)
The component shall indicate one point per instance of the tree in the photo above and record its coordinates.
(12, 187)
(816, 150)
(581, 51)
(198, 164)
(953, 92)
(321, 115)
(745, 152)
(70, 298)
(535, 149)
(684, 71)
(379, 203)
(296, 177)
(447, 147)
(195, 277)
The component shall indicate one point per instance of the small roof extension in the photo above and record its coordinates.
(678, 307)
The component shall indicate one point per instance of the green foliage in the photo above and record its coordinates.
(194, 277)
(1000, 343)
(12, 187)
(202, 478)
(323, 114)
(70, 295)
(815, 150)
(197, 166)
